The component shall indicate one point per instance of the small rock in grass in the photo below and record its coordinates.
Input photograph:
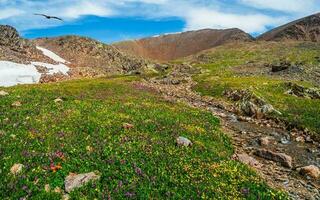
(65, 197)
(47, 188)
(58, 100)
(281, 158)
(182, 141)
(16, 169)
(127, 126)
(77, 180)
(3, 93)
(311, 170)
(16, 104)
(57, 190)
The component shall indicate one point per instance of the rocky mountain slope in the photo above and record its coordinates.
(173, 46)
(16, 49)
(44, 60)
(305, 29)
(91, 56)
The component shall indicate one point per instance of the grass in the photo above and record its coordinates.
(85, 133)
(221, 74)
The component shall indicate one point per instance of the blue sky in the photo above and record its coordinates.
(115, 20)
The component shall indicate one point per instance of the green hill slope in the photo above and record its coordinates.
(84, 132)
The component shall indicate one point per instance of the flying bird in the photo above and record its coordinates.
(49, 17)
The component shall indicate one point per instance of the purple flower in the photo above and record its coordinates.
(138, 171)
(129, 194)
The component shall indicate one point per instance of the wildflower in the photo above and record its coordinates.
(54, 167)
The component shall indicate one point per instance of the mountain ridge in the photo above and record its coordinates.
(178, 45)
(303, 29)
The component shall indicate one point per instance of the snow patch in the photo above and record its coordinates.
(60, 68)
(13, 74)
(51, 55)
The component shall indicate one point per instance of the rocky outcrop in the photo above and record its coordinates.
(301, 91)
(173, 46)
(305, 29)
(9, 36)
(280, 158)
(16, 49)
(249, 104)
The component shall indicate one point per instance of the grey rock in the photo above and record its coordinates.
(182, 141)
(77, 180)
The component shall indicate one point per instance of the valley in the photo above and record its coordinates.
(208, 114)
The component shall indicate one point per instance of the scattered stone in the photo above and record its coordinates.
(311, 170)
(16, 169)
(280, 67)
(246, 159)
(47, 188)
(300, 139)
(301, 91)
(281, 158)
(264, 141)
(3, 93)
(284, 140)
(65, 197)
(77, 180)
(57, 190)
(16, 104)
(128, 126)
(58, 100)
(182, 141)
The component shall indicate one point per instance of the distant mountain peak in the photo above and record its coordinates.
(304, 29)
(177, 45)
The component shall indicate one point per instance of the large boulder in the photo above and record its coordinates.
(250, 104)
(311, 170)
(280, 158)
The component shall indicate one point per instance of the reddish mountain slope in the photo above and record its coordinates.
(173, 46)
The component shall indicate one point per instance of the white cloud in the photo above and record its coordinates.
(206, 18)
(10, 12)
(300, 6)
(244, 14)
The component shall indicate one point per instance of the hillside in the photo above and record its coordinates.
(305, 29)
(125, 136)
(46, 60)
(91, 56)
(173, 46)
